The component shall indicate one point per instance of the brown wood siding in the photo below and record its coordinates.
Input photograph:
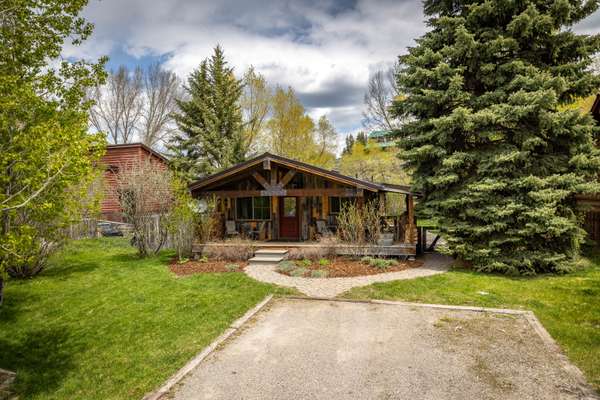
(118, 159)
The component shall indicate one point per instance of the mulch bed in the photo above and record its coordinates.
(199, 267)
(342, 267)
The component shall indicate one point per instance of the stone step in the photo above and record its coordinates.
(265, 260)
(276, 257)
(271, 251)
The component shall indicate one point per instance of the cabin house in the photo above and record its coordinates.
(274, 199)
(117, 158)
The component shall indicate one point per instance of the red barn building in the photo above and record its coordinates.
(117, 158)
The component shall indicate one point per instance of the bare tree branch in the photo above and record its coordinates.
(380, 94)
(118, 105)
(161, 89)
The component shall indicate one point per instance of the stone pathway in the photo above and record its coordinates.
(330, 287)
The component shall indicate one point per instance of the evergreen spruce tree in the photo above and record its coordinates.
(210, 120)
(497, 160)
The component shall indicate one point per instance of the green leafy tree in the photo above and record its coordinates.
(211, 133)
(498, 162)
(46, 154)
(374, 163)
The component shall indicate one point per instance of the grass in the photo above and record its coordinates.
(101, 323)
(568, 306)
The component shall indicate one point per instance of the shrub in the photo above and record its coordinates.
(305, 262)
(146, 198)
(183, 220)
(323, 262)
(380, 263)
(366, 260)
(232, 267)
(232, 250)
(310, 253)
(319, 273)
(286, 266)
(299, 271)
(360, 225)
(203, 259)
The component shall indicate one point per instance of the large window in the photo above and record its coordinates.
(253, 208)
(337, 203)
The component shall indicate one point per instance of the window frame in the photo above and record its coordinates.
(253, 209)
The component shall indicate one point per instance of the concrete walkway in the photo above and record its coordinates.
(330, 287)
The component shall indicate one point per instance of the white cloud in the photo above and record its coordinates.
(325, 50)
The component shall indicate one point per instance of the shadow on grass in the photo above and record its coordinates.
(41, 358)
(68, 269)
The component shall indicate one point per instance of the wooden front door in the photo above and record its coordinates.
(288, 218)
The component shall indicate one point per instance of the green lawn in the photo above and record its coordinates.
(100, 323)
(568, 306)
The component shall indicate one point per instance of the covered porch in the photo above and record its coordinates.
(280, 202)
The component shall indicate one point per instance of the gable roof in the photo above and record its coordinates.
(300, 166)
(138, 145)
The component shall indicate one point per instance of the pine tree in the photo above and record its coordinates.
(210, 121)
(361, 137)
(349, 144)
(497, 160)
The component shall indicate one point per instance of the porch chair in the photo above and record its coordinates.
(322, 228)
(230, 229)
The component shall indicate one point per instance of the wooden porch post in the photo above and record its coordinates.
(410, 232)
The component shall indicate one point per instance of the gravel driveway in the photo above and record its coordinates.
(310, 349)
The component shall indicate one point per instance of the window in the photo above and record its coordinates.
(253, 208)
(289, 206)
(337, 203)
(262, 207)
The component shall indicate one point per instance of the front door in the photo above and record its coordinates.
(288, 218)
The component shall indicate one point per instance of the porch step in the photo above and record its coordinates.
(268, 256)
(271, 251)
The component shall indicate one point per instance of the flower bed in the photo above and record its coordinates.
(205, 265)
(343, 267)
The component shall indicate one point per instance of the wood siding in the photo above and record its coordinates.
(120, 158)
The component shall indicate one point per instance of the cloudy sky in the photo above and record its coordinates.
(324, 49)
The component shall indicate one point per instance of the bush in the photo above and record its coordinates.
(323, 262)
(379, 263)
(182, 221)
(305, 262)
(298, 272)
(146, 197)
(286, 266)
(366, 260)
(319, 273)
(310, 253)
(360, 225)
(232, 267)
(232, 250)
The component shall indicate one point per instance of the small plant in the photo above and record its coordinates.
(304, 263)
(232, 267)
(286, 266)
(183, 260)
(323, 262)
(319, 273)
(300, 271)
(203, 259)
(366, 260)
(380, 263)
